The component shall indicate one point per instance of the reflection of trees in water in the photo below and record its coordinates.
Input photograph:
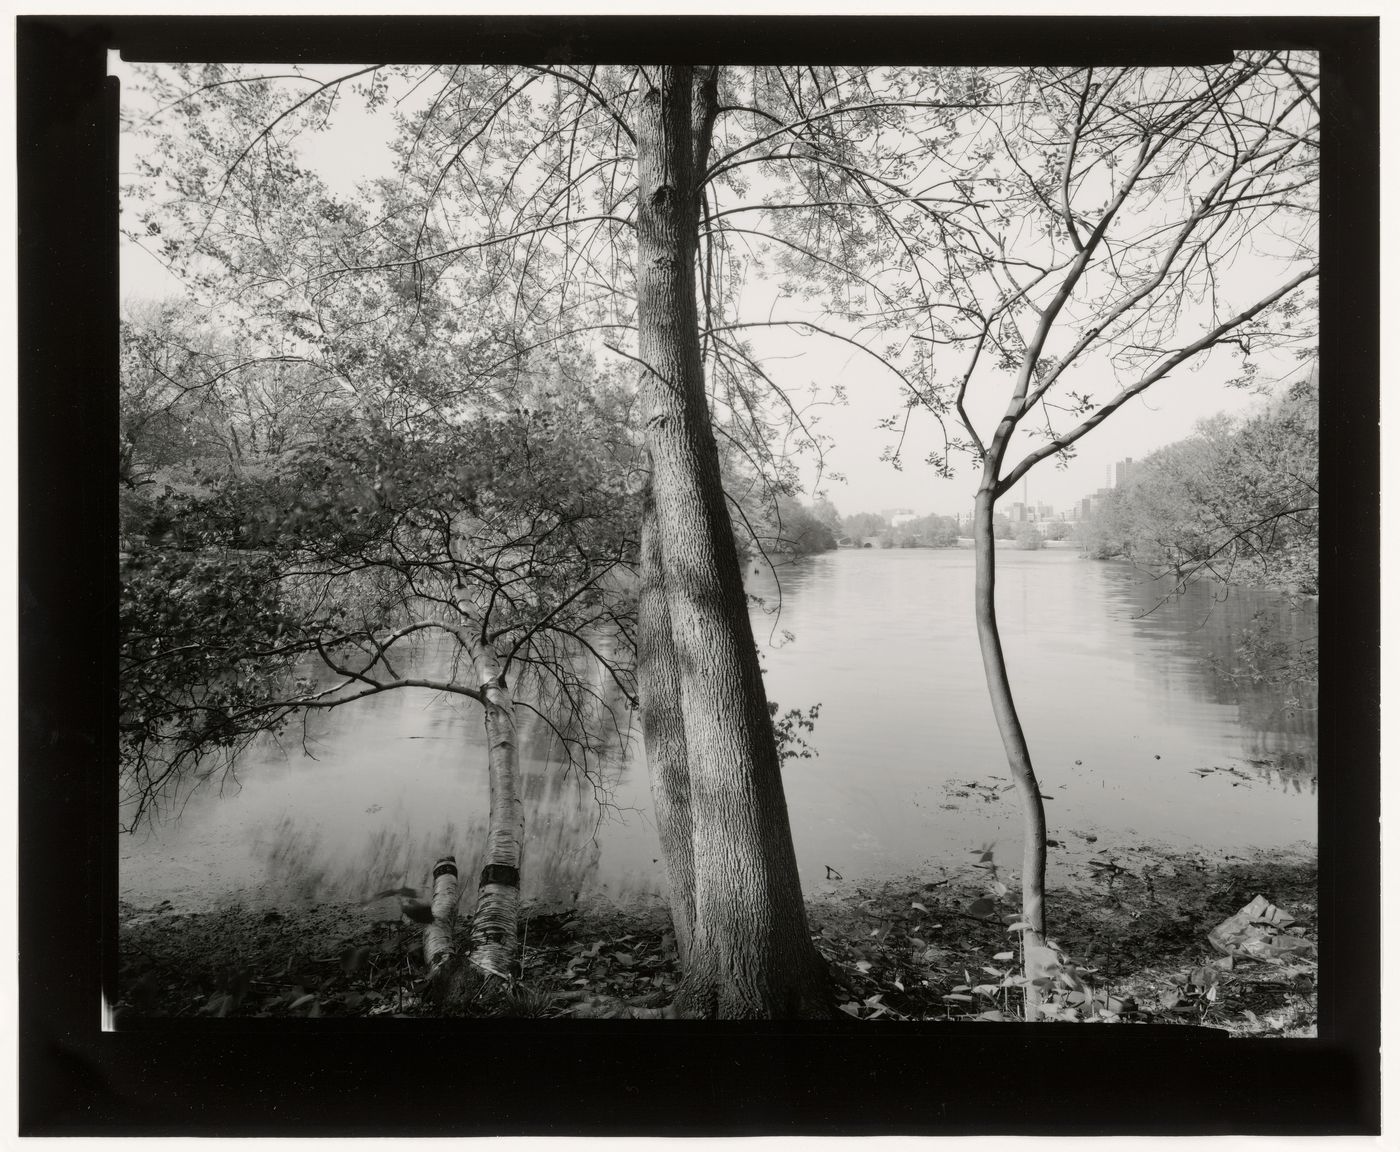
(1208, 621)
(303, 864)
(568, 780)
(1286, 768)
(569, 785)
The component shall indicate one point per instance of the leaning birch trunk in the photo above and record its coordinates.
(1018, 755)
(663, 733)
(496, 924)
(750, 953)
(439, 951)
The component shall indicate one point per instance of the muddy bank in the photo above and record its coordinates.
(1132, 932)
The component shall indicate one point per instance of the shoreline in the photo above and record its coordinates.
(910, 948)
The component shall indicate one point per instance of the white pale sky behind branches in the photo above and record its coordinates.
(354, 148)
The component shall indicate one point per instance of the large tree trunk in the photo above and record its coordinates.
(1018, 754)
(663, 732)
(750, 953)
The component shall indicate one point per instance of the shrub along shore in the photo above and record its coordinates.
(1132, 929)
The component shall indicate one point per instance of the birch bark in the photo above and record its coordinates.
(496, 924)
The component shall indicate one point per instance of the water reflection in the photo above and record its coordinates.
(1134, 737)
(1121, 710)
(1279, 721)
(365, 798)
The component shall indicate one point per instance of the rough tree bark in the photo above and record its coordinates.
(750, 955)
(663, 732)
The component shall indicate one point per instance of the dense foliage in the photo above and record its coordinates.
(859, 525)
(793, 529)
(1237, 501)
(262, 579)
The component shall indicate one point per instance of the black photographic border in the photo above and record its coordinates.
(424, 1078)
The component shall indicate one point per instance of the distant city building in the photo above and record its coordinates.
(1115, 476)
(898, 516)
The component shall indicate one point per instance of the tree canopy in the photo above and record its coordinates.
(335, 554)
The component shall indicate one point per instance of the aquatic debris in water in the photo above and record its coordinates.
(1244, 776)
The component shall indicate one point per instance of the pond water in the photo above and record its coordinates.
(1136, 739)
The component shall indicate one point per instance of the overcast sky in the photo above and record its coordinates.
(354, 150)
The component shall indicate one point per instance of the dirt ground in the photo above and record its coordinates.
(1131, 939)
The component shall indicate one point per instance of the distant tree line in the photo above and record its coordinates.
(789, 528)
(935, 531)
(932, 531)
(1237, 500)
